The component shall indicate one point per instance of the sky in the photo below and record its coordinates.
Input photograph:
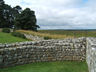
(61, 14)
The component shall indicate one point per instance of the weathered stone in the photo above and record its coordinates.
(91, 54)
(1, 59)
(44, 50)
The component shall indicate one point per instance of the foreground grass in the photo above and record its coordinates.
(64, 66)
(8, 38)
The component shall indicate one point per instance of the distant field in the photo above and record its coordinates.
(71, 33)
(63, 66)
(45, 34)
(60, 34)
(8, 38)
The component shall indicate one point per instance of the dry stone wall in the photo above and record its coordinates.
(41, 51)
(35, 38)
(91, 54)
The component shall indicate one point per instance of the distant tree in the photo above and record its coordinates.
(26, 20)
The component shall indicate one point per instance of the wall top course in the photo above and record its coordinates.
(43, 42)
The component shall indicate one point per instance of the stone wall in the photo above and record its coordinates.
(35, 38)
(91, 54)
(41, 51)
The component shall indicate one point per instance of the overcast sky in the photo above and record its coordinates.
(61, 14)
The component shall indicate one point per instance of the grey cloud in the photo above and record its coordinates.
(62, 14)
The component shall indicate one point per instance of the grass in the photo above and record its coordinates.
(63, 66)
(73, 33)
(53, 36)
(8, 38)
(61, 34)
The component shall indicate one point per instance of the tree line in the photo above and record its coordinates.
(15, 17)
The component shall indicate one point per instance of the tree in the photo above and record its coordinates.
(1, 2)
(1, 12)
(23, 19)
(26, 20)
(6, 16)
(17, 10)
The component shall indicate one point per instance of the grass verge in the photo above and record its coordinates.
(63, 66)
(8, 38)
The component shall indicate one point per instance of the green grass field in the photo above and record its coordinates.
(71, 33)
(63, 66)
(8, 38)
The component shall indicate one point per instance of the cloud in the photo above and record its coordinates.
(12, 2)
(61, 14)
